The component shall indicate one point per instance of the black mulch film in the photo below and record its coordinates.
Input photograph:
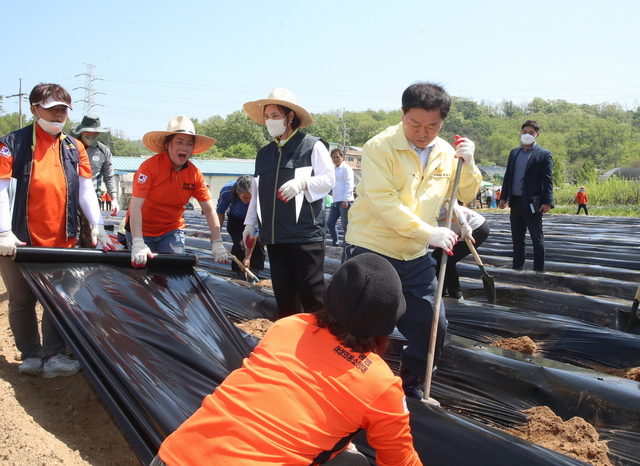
(155, 341)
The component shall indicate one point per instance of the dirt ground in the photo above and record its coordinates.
(59, 421)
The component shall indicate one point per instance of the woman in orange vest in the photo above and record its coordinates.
(582, 200)
(310, 385)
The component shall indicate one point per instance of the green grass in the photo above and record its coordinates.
(614, 198)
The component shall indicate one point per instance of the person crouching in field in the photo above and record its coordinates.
(310, 385)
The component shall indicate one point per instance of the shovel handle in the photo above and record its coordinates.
(637, 298)
(467, 240)
(438, 301)
(243, 268)
(473, 251)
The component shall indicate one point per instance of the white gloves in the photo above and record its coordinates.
(139, 253)
(8, 243)
(249, 236)
(466, 232)
(98, 234)
(115, 208)
(219, 252)
(465, 149)
(291, 189)
(443, 238)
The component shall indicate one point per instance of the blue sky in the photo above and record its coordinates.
(157, 59)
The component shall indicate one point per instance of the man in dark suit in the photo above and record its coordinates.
(528, 188)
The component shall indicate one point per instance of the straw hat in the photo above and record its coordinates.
(278, 96)
(154, 140)
(91, 124)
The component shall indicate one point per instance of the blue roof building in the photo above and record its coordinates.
(216, 173)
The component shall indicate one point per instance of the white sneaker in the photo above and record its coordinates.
(31, 366)
(60, 365)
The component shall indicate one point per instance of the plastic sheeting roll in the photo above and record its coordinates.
(92, 256)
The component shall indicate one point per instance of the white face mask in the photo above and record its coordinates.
(527, 139)
(276, 127)
(88, 140)
(50, 127)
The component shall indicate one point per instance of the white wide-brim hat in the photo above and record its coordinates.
(154, 140)
(278, 96)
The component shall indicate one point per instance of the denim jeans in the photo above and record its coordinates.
(337, 211)
(172, 242)
(419, 284)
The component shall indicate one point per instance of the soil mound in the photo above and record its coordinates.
(575, 437)
(522, 345)
(255, 327)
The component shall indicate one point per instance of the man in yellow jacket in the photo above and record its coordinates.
(407, 172)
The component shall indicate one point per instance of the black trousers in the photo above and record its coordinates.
(522, 219)
(582, 206)
(235, 227)
(460, 251)
(297, 276)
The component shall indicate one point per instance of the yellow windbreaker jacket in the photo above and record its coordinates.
(398, 203)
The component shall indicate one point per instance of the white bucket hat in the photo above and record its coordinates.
(278, 96)
(154, 140)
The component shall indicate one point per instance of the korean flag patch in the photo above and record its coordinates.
(142, 178)
(5, 152)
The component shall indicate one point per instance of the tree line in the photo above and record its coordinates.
(585, 139)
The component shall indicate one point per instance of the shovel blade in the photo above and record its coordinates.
(620, 319)
(489, 285)
(627, 321)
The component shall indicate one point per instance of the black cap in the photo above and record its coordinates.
(365, 296)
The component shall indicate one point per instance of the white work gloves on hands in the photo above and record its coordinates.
(249, 236)
(466, 232)
(115, 208)
(8, 243)
(98, 234)
(219, 252)
(465, 149)
(291, 189)
(139, 253)
(443, 238)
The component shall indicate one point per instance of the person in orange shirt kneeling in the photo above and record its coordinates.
(310, 385)
(162, 186)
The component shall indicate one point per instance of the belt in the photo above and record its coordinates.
(516, 197)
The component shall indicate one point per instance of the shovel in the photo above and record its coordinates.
(438, 301)
(487, 280)
(628, 321)
(243, 268)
